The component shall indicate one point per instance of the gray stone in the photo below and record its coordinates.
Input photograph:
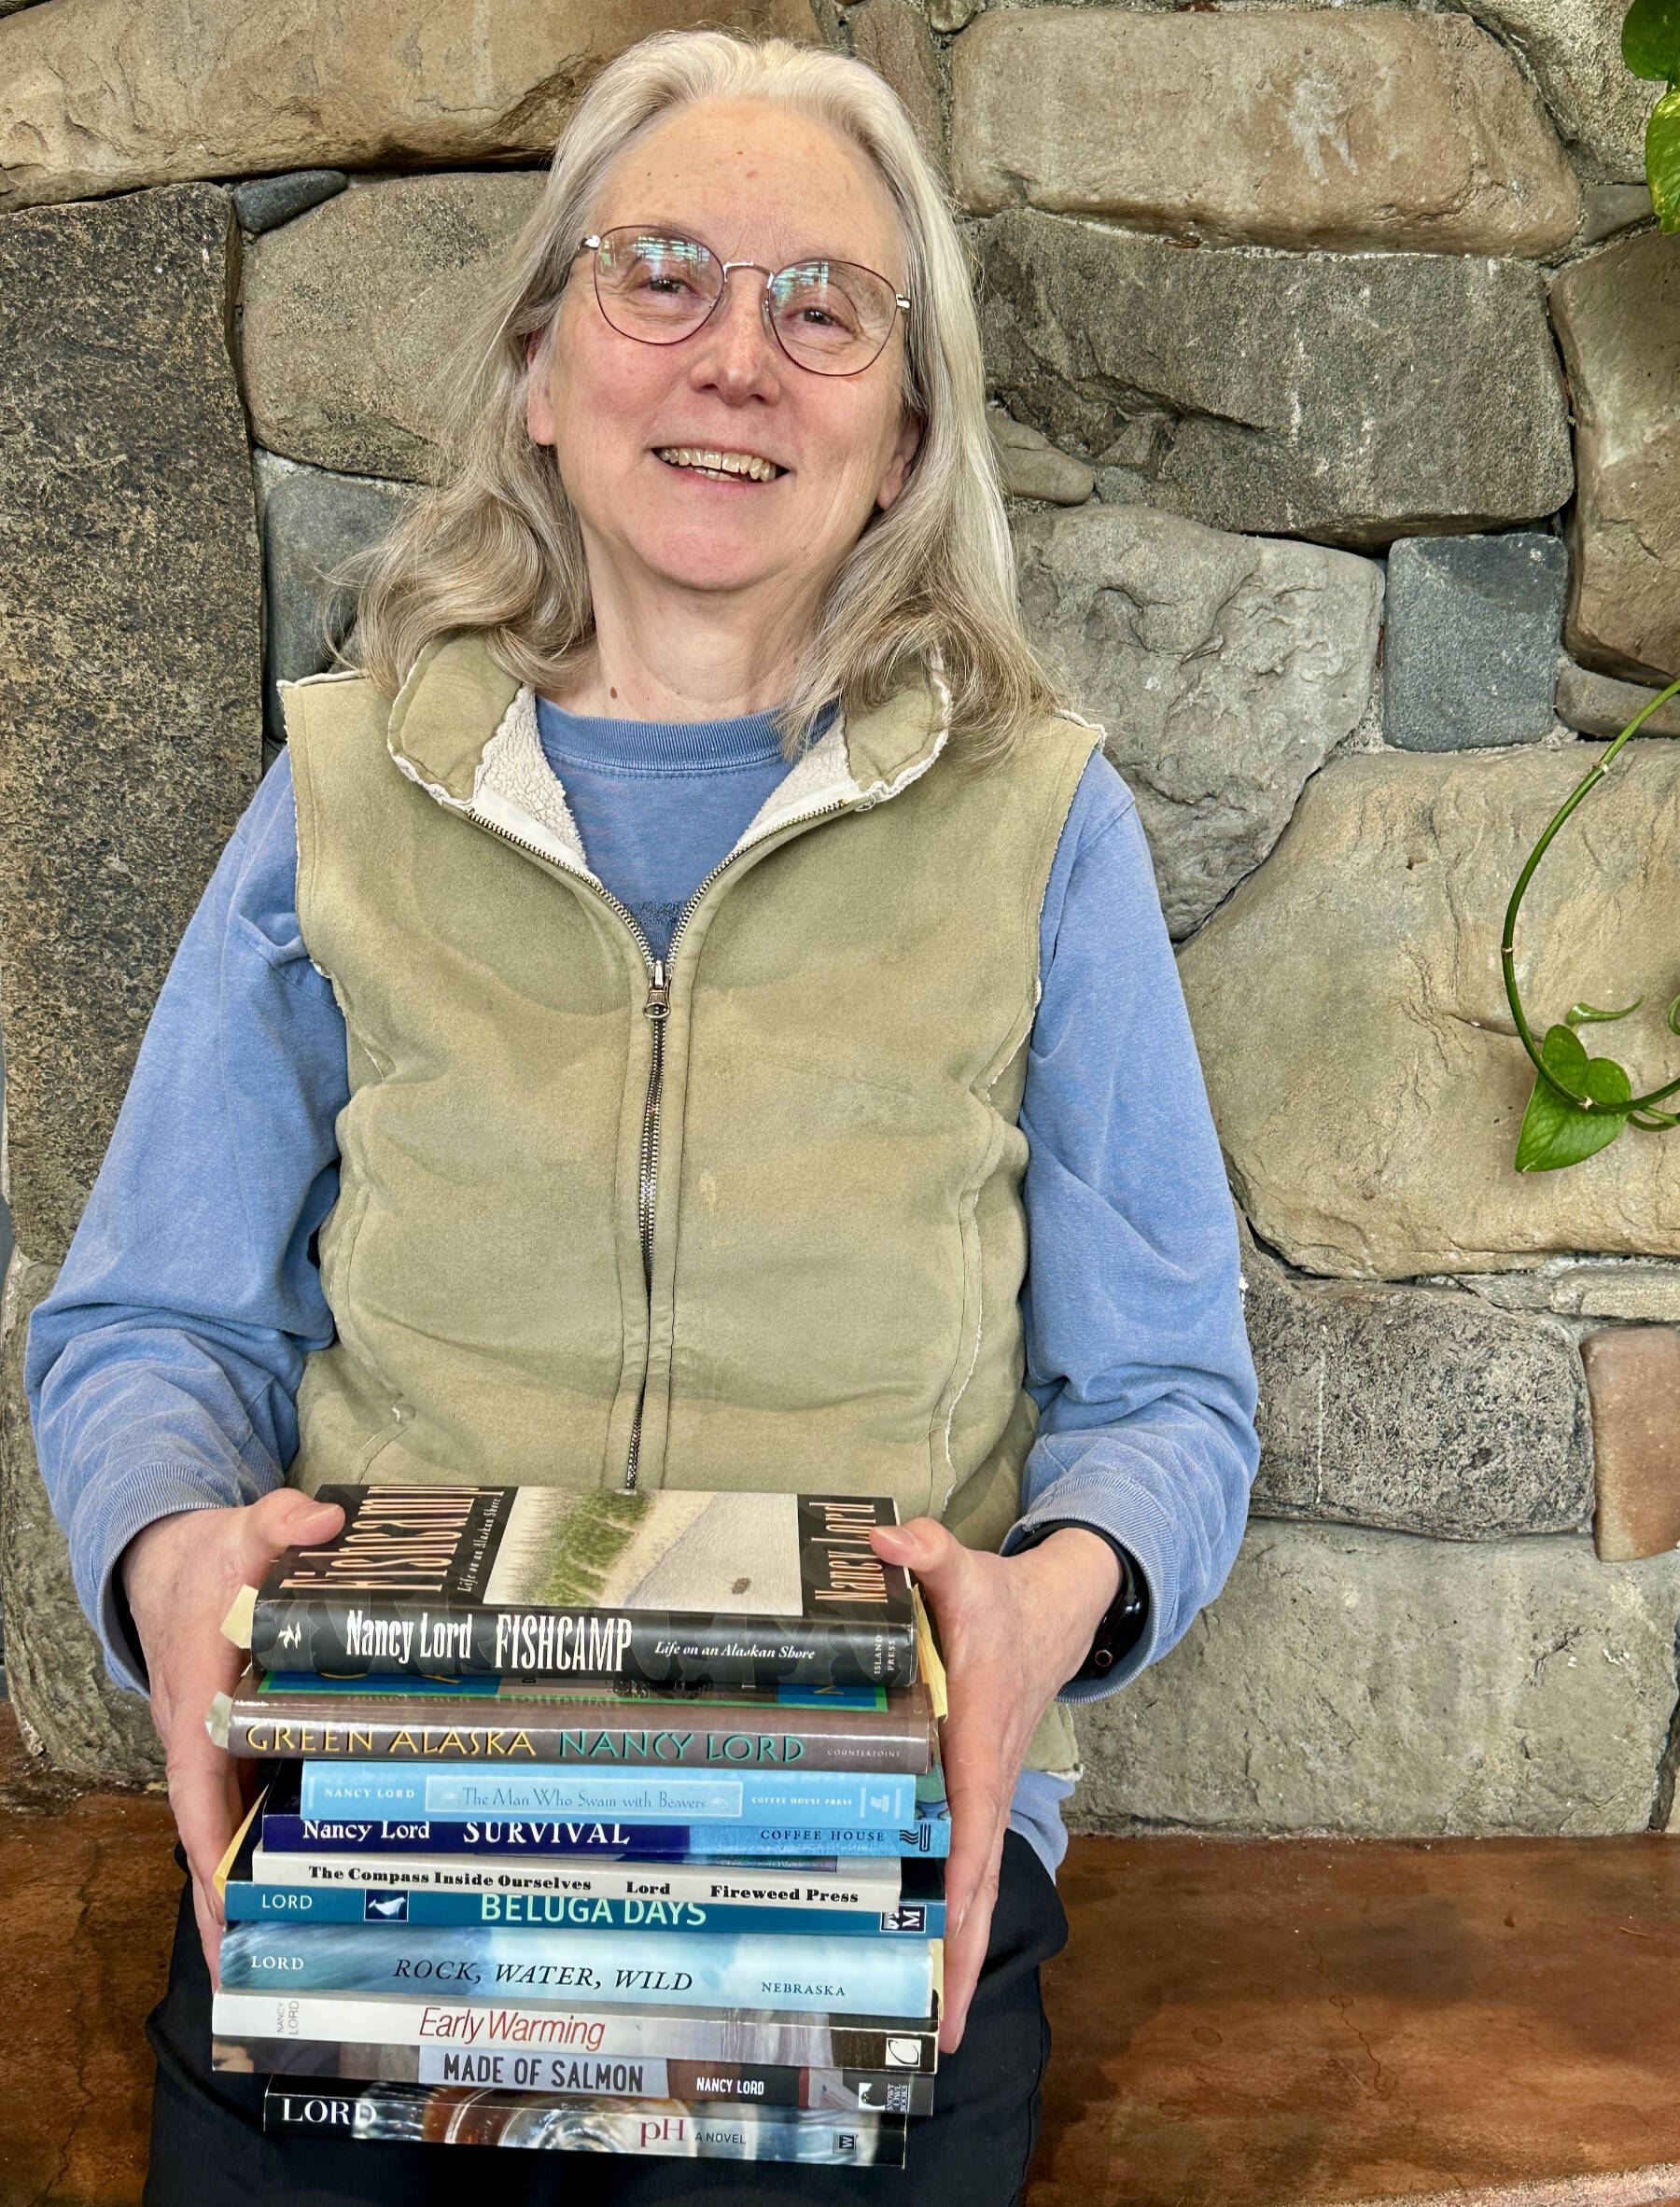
(312, 522)
(1355, 400)
(1383, 1685)
(1032, 467)
(1470, 641)
(69, 1711)
(1574, 48)
(346, 311)
(1634, 1288)
(100, 97)
(1342, 128)
(1599, 705)
(1607, 209)
(1416, 1409)
(1224, 671)
(1617, 319)
(266, 201)
(130, 711)
(1358, 1048)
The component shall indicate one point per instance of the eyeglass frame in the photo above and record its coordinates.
(593, 245)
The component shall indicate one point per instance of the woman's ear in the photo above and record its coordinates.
(898, 466)
(539, 403)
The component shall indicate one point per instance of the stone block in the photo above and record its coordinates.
(1607, 209)
(1353, 398)
(313, 521)
(1379, 1684)
(266, 201)
(1617, 319)
(1033, 467)
(1224, 670)
(70, 1712)
(1631, 1288)
(1420, 1409)
(131, 713)
(1633, 1377)
(1339, 129)
(1470, 641)
(350, 312)
(1599, 705)
(99, 96)
(892, 37)
(1359, 1053)
(1574, 48)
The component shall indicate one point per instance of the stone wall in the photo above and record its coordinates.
(1335, 362)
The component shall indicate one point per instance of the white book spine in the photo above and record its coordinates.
(875, 1888)
(797, 2042)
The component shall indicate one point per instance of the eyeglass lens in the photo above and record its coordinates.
(830, 315)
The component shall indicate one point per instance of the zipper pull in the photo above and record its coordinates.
(659, 994)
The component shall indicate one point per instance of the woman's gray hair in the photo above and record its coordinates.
(497, 550)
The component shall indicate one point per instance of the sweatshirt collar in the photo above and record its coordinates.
(465, 731)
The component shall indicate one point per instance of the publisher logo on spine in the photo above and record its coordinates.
(384, 1908)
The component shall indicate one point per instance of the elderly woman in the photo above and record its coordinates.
(637, 1034)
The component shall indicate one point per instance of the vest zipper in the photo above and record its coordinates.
(656, 1009)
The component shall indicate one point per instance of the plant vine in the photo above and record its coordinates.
(1580, 1103)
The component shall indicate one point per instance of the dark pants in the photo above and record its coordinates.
(208, 2147)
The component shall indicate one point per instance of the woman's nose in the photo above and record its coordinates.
(735, 350)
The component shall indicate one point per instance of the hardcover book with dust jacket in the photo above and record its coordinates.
(669, 1588)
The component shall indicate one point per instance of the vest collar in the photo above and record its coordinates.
(465, 732)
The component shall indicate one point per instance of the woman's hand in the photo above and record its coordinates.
(181, 1577)
(1012, 1629)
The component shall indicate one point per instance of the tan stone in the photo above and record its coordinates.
(1359, 1051)
(1033, 467)
(1574, 48)
(100, 95)
(892, 37)
(1341, 128)
(351, 311)
(1617, 318)
(1633, 1384)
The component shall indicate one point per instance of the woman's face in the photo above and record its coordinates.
(757, 183)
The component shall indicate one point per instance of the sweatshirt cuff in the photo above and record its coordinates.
(1129, 1519)
(147, 1494)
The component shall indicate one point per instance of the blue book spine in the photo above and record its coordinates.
(458, 1792)
(929, 1837)
(250, 1903)
(826, 1975)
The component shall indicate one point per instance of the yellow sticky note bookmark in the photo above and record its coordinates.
(236, 1624)
(926, 1653)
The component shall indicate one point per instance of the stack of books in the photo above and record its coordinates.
(603, 1822)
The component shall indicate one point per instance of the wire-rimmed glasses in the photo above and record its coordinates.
(657, 287)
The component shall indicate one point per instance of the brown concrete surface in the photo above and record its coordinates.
(1302, 2023)
(88, 1892)
(1276, 2023)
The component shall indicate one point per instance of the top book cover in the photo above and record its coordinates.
(669, 1588)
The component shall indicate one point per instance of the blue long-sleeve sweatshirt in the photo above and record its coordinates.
(163, 1371)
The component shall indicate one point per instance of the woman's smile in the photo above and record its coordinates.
(740, 470)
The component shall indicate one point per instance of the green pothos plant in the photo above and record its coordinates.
(1581, 1103)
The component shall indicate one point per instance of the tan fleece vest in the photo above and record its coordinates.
(753, 1222)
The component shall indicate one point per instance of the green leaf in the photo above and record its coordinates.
(1651, 39)
(1556, 1131)
(1662, 159)
(1580, 1014)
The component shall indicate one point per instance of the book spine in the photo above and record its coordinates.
(453, 2114)
(343, 1635)
(929, 1837)
(873, 1887)
(460, 1793)
(536, 2027)
(304, 1904)
(827, 1975)
(842, 2091)
(351, 1727)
